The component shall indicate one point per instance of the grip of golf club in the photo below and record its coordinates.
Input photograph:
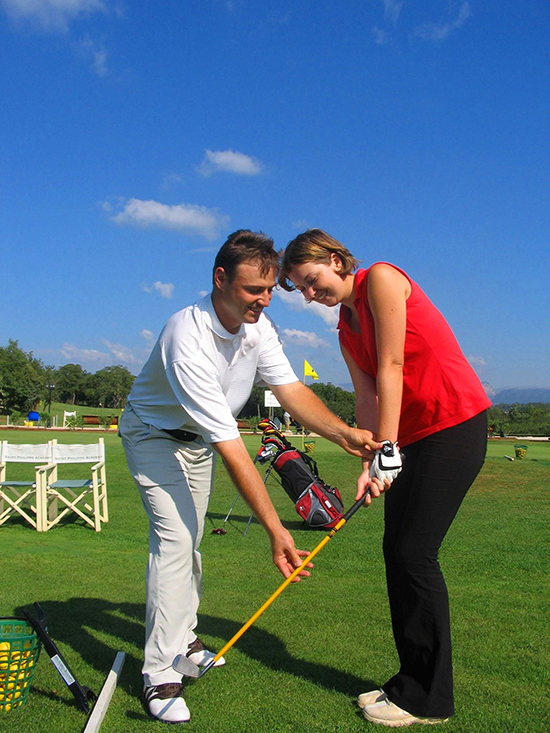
(358, 504)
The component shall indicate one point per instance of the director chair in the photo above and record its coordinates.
(22, 497)
(85, 497)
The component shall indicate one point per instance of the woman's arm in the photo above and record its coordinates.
(366, 414)
(387, 291)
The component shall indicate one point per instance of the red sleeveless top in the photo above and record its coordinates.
(440, 388)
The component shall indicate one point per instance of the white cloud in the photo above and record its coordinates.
(392, 10)
(440, 31)
(296, 302)
(188, 218)
(146, 334)
(121, 353)
(302, 338)
(229, 161)
(76, 355)
(477, 362)
(300, 224)
(93, 359)
(203, 293)
(94, 52)
(165, 290)
(54, 15)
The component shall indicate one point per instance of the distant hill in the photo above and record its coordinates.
(511, 395)
(507, 396)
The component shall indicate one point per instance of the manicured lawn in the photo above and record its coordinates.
(300, 667)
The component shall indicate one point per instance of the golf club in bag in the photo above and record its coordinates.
(184, 666)
(317, 503)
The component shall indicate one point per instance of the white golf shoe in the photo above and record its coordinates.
(369, 698)
(391, 715)
(166, 703)
(200, 655)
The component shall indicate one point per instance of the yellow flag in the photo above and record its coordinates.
(309, 371)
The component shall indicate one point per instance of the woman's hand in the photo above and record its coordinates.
(372, 487)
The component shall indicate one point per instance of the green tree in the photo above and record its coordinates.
(22, 379)
(109, 387)
(338, 400)
(70, 383)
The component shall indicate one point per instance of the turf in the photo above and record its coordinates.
(324, 640)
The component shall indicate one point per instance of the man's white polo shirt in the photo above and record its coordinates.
(199, 376)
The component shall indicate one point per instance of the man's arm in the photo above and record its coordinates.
(309, 410)
(246, 478)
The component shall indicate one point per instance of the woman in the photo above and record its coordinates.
(413, 386)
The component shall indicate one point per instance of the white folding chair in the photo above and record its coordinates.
(66, 415)
(22, 497)
(74, 494)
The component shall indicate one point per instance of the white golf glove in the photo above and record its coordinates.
(387, 462)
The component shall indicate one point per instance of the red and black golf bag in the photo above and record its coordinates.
(319, 504)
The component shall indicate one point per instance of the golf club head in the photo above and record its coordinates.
(266, 423)
(183, 665)
(265, 453)
(279, 446)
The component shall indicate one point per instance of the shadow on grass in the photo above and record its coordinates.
(271, 651)
(79, 624)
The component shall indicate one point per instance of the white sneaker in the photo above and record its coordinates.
(166, 703)
(369, 698)
(200, 655)
(391, 715)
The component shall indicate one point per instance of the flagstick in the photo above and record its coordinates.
(302, 425)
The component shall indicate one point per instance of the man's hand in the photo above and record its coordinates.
(360, 443)
(285, 555)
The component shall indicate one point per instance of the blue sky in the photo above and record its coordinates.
(136, 136)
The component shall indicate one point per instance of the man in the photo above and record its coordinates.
(180, 414)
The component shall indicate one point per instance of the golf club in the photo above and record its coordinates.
(183, 665)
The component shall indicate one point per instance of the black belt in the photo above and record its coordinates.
(182, 435)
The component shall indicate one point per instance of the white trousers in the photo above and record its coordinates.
(175, 480)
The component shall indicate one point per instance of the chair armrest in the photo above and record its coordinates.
(45, 467)
(98, 466)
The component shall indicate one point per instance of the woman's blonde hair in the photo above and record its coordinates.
(315, 245)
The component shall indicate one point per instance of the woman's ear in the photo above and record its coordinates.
(336, 262)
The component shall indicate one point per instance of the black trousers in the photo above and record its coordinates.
(418, 509)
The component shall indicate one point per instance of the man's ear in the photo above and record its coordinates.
(220, 278)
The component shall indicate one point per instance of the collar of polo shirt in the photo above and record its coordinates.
(215, 323)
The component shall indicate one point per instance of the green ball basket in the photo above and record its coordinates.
(19, 652)
(521, 451)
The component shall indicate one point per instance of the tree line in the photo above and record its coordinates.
(25, 381)
(341, 402)
(517, 419)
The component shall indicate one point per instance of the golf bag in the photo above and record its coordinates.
(319, 504)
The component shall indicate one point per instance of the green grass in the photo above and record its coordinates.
(324, 640)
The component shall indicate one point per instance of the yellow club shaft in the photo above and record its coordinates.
(278, 592)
